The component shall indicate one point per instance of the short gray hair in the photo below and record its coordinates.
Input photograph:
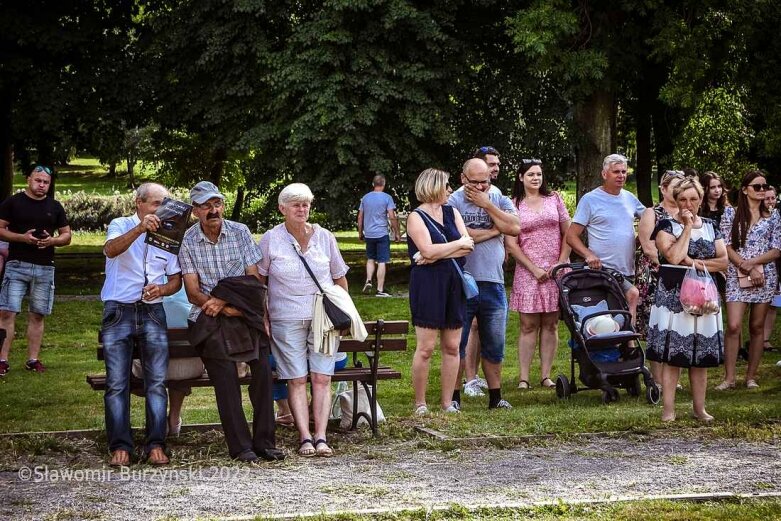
(144, 190)
(612, 159)
(295, 192)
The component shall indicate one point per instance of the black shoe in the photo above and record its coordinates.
(247, 456)
(272, 454)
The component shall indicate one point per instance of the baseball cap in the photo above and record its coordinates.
(204, 191)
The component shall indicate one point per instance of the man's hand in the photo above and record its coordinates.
(29, 238)
(593, 261)
(230, 311)
(150, 223)
(213, 306)
(477, 197)
(46, 241)
(152, 292)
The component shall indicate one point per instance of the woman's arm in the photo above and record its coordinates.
(672, 249)
(341, 281)
(565, 249)
(515, 250)
(419, 234)
(717, 263)
(644, 230)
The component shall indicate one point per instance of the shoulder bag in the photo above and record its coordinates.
(338, 318)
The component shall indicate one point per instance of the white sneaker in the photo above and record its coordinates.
(383, 294)
(453, 409)
(422, 410)
(503, 404)
(367, 286)
(472, 389)
(482, 383)
(778, 364)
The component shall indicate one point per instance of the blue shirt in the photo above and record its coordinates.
(375, 206)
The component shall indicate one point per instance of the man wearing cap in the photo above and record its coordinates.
(133, 315)
(28, 221)
(212, 250)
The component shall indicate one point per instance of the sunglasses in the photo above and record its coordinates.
(488, 150)
(216, 205)
(44, 169)
(530, 162)
(759, 187)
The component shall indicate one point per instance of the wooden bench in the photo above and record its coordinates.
(383, 336)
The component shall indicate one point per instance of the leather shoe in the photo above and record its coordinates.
(247, 456)
(271, 454)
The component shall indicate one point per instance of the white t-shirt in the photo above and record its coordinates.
(125, 272)
(609, 221)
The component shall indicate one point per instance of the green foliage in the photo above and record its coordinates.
(717, 136)
(94, 212)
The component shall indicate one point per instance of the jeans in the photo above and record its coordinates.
(490, 308)
(22, 278)
(125, 325)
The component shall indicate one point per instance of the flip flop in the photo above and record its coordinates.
(323, 449)
(524, 385)
(119, 458)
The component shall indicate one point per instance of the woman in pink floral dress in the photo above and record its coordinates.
(540, 246)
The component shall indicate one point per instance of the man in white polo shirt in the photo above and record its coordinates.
(133, 314)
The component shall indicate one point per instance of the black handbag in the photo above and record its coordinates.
(338, 318)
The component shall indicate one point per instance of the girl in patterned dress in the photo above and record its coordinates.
(676, 338)
(539, 247)
(753, 237)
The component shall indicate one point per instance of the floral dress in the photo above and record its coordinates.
(646, 276)
(674, 336)
(761, 238)
(540, 240)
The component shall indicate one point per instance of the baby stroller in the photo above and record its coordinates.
(607, 360)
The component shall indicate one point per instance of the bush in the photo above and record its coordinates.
(94, 212)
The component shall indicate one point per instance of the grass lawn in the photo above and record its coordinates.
(88, 175)
(60, 399)
(657, 510)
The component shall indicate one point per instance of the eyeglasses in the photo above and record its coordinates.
(673, 174)
(530, 162)
(42, 169)
(216, 205)
(488, 150)
(759, 187)
(477, 183)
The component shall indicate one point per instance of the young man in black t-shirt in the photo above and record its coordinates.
(28, 221)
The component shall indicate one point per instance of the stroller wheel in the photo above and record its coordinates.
(610, 395)
(562, 387)
(652, 394)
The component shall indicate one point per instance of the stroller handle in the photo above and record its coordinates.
(583, 266)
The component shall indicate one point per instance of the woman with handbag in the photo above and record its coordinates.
(292, 292)
(753, 237)
(437, 241)
(539, 247)
(676, 337)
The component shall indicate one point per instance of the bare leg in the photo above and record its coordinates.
(34, 334)
(493, 374)
(549, 341)
(300, 406)
(472, 358)
(527, 341)
(369, 270)
(670, 377)
(7, 321)
(283, 407)
(380, 276)
(698, 379)
(735, 312)
(426, 339)
(449, 340)
(770, 321)
(321, 403)
(175, 404)
(632, 299)
(756, 327)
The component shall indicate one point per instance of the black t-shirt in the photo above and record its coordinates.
(23, 213)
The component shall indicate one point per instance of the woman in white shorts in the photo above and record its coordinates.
(291, 293)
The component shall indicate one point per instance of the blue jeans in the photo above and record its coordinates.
(22, 278)
(490, 308)
(123, 326)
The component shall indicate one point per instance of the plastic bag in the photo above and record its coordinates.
(699, 295)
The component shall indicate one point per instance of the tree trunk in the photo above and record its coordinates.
(112, 169)
(218, 165)
(664, 128)
(131, 166)
(594, 121)
(237, 206)
(6, 149)
(643, 133)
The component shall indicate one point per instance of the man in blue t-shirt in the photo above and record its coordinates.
(376, 209)
(607, 214)
(488, 215)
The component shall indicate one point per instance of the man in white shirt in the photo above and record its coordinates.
(133, 314)
(607, 213)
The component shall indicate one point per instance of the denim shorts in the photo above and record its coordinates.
(292, 343)
(490, 308)
(22, 278)
(378, 249)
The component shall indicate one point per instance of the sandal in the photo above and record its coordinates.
(322, 448)
(157, 456)
(305, 451)
(119, 458)
(285, 420)
(524, 385)
(725, 385)
(548, 385)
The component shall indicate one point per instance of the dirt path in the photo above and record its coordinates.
(399, 475)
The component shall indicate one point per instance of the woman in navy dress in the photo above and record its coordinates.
(437, 239)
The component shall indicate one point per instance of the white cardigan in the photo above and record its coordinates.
(326, 337)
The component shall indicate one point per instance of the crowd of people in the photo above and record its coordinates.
(262, 305)
(693, 226)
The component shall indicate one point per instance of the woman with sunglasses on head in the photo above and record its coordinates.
(437, 241)
(770, 319)
(753, 237)
(647, 262)
(715, 197)
(539, 247)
